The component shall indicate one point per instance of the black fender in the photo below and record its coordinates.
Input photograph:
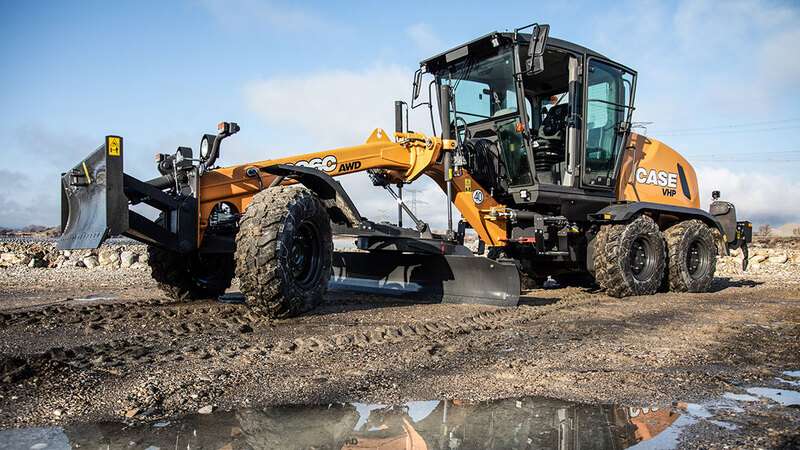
(623, 212)
(340, 207)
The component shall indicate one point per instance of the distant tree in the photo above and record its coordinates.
(765, 230)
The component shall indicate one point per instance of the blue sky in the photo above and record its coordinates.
(720, 81)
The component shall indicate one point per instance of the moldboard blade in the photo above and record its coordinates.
(438, 278)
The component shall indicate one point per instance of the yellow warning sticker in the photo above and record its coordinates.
(467, 185)
(114, 145)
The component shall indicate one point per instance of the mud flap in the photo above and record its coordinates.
(437, 278)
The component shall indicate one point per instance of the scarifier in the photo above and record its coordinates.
(535, 150)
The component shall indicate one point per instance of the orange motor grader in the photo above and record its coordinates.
(534, 150)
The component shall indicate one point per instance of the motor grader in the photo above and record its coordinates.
(534, 148)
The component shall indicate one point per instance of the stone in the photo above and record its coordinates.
(208, 409)
(144, 258)
(779, 259)
(37, 262)
(108, 258)
(127, 259)
(758, 257)
(90, 262)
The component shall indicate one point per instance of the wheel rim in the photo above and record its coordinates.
(641, 258)
(305, 255)
(697, 259)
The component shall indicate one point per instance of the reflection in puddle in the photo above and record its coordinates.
(440, 424)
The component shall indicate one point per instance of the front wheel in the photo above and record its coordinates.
(691, 255)
(284, 251)
(632, 258)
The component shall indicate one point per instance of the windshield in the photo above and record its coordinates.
(483, 88)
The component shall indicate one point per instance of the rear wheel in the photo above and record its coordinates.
(632, 258)
(691, 256)
(284, 251)
(190, 276)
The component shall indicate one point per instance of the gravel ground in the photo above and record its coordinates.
(80, 345)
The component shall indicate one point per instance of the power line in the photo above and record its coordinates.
(742, 160)
(740, 125)
(742, 152)
(726, 131)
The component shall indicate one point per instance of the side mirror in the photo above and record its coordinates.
(535, 61)
(417, 84)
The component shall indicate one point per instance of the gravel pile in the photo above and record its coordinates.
(764, 263)
(44, 254)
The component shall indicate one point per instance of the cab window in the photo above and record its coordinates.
(608, 95)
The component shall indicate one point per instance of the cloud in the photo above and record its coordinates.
(426, 40)
(719, 57)
(334, 108)
(341, 108)
(21, 205)
(759, 197)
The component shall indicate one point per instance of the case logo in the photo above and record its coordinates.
(668, 181)
(325, 164)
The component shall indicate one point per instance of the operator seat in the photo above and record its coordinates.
(548, 146)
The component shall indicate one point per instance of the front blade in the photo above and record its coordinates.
(439, 278)
(96, 206)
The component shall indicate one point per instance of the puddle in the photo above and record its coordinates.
(96, 298)
(447, 424)
(529, 422)
(783, 396)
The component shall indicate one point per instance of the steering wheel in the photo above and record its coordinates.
(555, 120)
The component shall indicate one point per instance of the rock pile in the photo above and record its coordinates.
(763, 261)
(45, 255)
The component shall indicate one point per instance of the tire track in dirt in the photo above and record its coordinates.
(419, 330)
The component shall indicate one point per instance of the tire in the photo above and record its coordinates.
(599, 244)
(190, 277)
(691, 256)
(284, 251)
(633, 258)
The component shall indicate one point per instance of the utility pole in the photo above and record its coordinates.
(414, 200)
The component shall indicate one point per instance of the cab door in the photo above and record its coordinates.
(608, 103)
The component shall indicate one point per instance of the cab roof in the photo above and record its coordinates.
(484, 44)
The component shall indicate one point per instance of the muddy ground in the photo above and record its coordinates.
(81, 345)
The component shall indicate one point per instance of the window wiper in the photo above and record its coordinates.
(471, 114)
(609, 103)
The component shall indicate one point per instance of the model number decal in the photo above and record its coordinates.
(325, 164)
(348, 166)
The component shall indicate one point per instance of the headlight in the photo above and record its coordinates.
(206, 144)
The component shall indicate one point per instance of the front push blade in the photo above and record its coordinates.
(93, 203)
(439, 278)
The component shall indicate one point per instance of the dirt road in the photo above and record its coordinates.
(79, 345)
